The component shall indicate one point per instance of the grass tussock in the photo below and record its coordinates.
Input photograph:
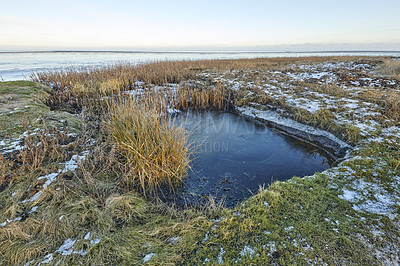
(47, 144)
(5, 172)
(154, 150)
(391, 68)
(391, 104)
(217, 98)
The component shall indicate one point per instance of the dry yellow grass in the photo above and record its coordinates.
(159, 73)
(392, 106)
(155, 151)
(391, 68)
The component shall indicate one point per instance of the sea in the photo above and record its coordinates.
(20, 65)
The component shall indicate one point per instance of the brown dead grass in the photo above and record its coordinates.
(159, 73)
(155, 151)
(44, 146)
(391, 68)
(391, 104)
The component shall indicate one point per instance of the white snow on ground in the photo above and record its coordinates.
(174, 240)
(47, 259)
(370, 197)
(95, 241)
(148, 257)
(11, 145)
(9, 221)
(67, 248)
(33, 210)
(172, 110)
(86, 237)
(49, 179)
(248, 250)
(70, 165)
(206, 237)
(271, 246)
(383, 205)
(220, 254)
(328, 77)
(350, 195)
(310, 105)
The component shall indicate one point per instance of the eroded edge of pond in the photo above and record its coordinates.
(324, 140)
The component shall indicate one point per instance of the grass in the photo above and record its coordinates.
(391, 68)
(126, 135)
(271, 233)
(155, 151)
(391, 103)
(23, 103)
(159, 73)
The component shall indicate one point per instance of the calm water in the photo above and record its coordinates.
(17, 66)
(234, 156)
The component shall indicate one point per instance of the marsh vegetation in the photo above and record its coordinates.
(84, 150)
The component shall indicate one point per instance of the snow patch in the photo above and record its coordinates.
(86, 237)
(220, 254)
(66, 248)
(350, 195)
(148, 257)
(47, 259)
(95, 241)
(248, 250)
(174, 240)
(33, 210)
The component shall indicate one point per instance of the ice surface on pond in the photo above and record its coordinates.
(233, 156)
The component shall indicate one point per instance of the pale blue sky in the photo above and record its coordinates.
(192, 25)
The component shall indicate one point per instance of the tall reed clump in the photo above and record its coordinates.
(154, 151)
(201, 98)
(391, 68)
(391, 104)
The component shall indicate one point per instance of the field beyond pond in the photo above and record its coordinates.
(89, 156)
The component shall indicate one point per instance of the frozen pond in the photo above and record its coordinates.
(234, 156)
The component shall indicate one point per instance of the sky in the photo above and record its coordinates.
(287, 25)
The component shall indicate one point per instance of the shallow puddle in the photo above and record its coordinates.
(233, 157)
